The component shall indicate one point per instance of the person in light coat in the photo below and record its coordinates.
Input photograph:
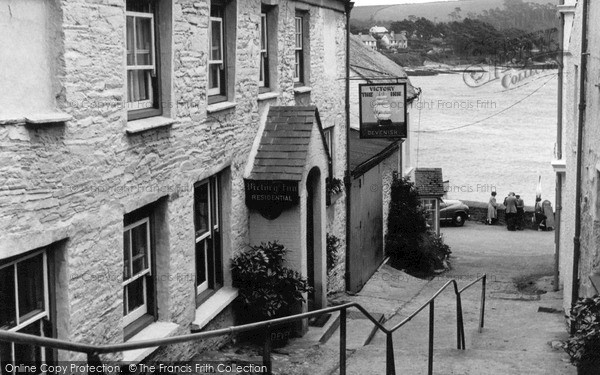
(492, 214)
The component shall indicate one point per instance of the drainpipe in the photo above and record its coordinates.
(559, 129)
(347, 176)
(580, 126)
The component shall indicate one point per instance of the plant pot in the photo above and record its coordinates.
(589, 368)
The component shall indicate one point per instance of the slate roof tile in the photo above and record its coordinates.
(284, 144)
(429, 181)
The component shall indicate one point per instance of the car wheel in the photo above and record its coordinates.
(458, 220)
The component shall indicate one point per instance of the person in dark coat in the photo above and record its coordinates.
(520, 213)
(511, 211)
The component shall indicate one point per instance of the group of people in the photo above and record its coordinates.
(515, 212)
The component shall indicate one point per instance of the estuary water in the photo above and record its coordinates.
(493, 130)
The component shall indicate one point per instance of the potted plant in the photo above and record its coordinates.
(583, 346)
(267, 289)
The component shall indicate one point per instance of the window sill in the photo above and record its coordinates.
(268, 95)
(37, 119)
(157, 330)
(142, 125)
(213, 306)
(302, 89)
(220, 106)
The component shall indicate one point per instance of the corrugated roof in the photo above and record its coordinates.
(284, 144)
(370, 64)
(367, 153)
(429, 181)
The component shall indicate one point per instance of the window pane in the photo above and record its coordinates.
(214, 202)
(201, 209)
(215, 42)
(8, 311)
(135, 294)
(214, 76)
(30, 278)
(201, 262)
(130, 45)
(28, 354)
(139, 248)
(126, 259)
(298, 32)
(142, 6)
(143, 29)
(263, 32)
(139, 86)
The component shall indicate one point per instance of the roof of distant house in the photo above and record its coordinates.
(429, 181)
(370, 64)
(367, 38)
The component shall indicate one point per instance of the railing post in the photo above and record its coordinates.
(431, 331)
(390, 365)
(93, 360)
(482, 312)
(343, 341)
(267, 351)
(460, 328)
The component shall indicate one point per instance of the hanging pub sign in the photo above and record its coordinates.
(382, 110)
(271, 197)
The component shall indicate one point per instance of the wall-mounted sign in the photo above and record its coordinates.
(382, 110)
(271, 197)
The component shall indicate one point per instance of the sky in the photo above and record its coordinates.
(359, 3)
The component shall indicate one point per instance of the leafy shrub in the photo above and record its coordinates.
(583, 347)
(267, 289)
(409, 243)
(333, 244)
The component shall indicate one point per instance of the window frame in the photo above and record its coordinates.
(210, 240)
(139, 312)
(152, 106)
(41, 318)
(218, 94)
(264, 51)
(299, 62)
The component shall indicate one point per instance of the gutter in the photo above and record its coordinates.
(347, 177)
(580, 127)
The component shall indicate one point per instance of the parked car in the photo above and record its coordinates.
(453, 211)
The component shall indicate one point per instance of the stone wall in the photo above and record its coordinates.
(74, 181)
(590, 167)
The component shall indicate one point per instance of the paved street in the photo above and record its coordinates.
(517, 338)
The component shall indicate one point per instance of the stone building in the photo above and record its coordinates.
(564, 162)
(130, 131)
(579, 267)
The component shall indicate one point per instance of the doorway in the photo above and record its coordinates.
(314, 246)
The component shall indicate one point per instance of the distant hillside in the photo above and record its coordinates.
(436, 12)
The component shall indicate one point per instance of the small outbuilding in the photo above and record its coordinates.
(430, 184)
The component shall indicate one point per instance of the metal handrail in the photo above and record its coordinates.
(93, 351)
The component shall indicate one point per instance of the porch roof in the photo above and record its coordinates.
(284, 143)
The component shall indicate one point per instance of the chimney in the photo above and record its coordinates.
(392, 34)
(359, 33)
